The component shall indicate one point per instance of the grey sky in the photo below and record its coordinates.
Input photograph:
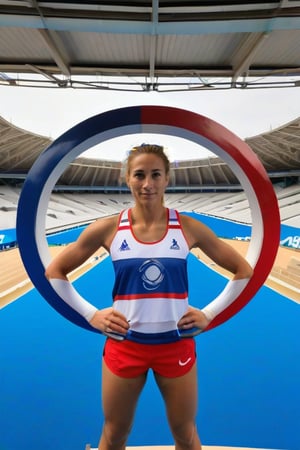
(50, 112)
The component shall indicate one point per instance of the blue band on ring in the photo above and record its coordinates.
(34, 198)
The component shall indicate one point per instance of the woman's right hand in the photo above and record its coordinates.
(108, 320)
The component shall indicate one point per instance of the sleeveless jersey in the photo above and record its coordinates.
(151, 284)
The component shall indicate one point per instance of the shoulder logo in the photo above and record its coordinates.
(174, 245)
(124, 246)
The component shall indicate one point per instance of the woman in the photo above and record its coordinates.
(149, 245)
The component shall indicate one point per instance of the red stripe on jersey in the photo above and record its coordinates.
(124, 227)
(158, 295)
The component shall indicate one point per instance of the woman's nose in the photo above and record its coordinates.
(148, 182)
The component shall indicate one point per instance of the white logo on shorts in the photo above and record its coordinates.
(184, 363)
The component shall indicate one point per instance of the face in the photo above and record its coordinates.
(147, 178)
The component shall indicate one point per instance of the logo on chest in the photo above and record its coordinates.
(152, 274)
(124, 246)
(174, 245)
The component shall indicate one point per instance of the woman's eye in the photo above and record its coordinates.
(138, 175)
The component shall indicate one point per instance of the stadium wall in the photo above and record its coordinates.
(227, 229)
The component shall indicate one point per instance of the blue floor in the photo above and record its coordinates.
(249, 373)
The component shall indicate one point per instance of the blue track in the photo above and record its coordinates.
(249, 372)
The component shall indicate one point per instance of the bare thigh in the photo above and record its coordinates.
(119, 398)
(180, 395)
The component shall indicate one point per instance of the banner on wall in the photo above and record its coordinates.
(227, 229)
(290, 237)
(8, 239)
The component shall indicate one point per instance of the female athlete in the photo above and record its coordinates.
(149, 245)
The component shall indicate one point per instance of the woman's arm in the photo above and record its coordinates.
(98, 234)
(223, 254)
(199, 235)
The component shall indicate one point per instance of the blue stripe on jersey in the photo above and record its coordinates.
(150, 276)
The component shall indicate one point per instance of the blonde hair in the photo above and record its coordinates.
(153, 149)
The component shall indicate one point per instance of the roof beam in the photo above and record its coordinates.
(48, 38)
(52, 78)
(152, 56)
(146, 27)
(181, 9)
(246, 54)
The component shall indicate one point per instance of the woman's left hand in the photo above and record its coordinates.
(194, 317)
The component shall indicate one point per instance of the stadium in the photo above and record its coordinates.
(249, 366)
(92, 188)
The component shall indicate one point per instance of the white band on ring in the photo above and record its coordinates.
(223, 300)
(69, 294)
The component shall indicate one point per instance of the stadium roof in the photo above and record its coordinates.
(160, 45)
(278, 151)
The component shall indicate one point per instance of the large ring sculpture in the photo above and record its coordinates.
(35, 195)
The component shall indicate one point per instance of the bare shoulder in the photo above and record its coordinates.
(189, 223)
(109, 221)
(195, 231)
(102, 230)
(106, 224)
(187, 220)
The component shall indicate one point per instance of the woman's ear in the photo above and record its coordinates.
(127, 179)
(167, 179)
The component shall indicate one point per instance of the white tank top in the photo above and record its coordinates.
(151, 284)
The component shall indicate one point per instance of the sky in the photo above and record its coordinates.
(51, 112)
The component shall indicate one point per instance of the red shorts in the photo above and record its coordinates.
(129, 359)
